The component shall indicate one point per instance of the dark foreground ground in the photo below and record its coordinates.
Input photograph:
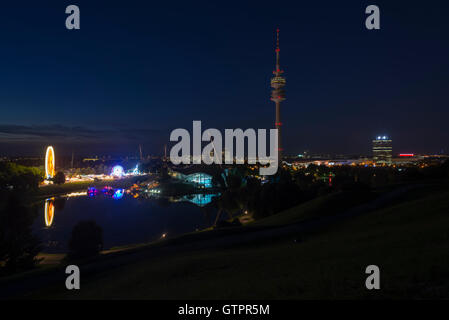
(318, 250)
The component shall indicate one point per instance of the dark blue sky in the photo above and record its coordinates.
(138, 69)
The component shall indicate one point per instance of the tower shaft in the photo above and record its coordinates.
(278, 126)
(278, 94)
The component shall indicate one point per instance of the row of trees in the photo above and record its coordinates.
(246, 193)
(289, 187)
(17, 177)
(18, 245)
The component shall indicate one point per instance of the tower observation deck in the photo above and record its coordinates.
(278, 95)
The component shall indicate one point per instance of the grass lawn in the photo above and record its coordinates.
(325, 205)
(409, 241)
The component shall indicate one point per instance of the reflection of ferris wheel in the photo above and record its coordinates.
(49, 212)
(50, 163)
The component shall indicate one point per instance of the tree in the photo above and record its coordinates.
(19, 177)
(59, 178)
(86, 240)
(18, 245)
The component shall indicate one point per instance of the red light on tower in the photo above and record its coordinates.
(406, 154)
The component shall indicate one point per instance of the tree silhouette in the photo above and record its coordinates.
(59, 178)
(18, 246)
(86, 240)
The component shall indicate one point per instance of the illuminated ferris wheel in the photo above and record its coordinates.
(50, 163)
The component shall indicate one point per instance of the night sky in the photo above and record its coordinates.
(138, 69)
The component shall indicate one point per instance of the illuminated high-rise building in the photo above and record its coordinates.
(382, 150)
(278, 94)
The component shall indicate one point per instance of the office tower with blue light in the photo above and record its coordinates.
(382, 150)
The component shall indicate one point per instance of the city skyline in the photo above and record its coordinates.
(110, 87)
(168, 152)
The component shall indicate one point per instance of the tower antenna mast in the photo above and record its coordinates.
(278, 94)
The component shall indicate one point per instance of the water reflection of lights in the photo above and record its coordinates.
(200, 200)
(118, 194)
(108, 190)
(76, 194)
(91, 192)
(49, 212)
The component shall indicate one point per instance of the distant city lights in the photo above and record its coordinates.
(136, 170)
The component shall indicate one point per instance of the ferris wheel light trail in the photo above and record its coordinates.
(50, 163)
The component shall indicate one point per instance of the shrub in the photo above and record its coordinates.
(86, 240)
(18, 245)
(59, 178)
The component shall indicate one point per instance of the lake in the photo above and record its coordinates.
(124, 218)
